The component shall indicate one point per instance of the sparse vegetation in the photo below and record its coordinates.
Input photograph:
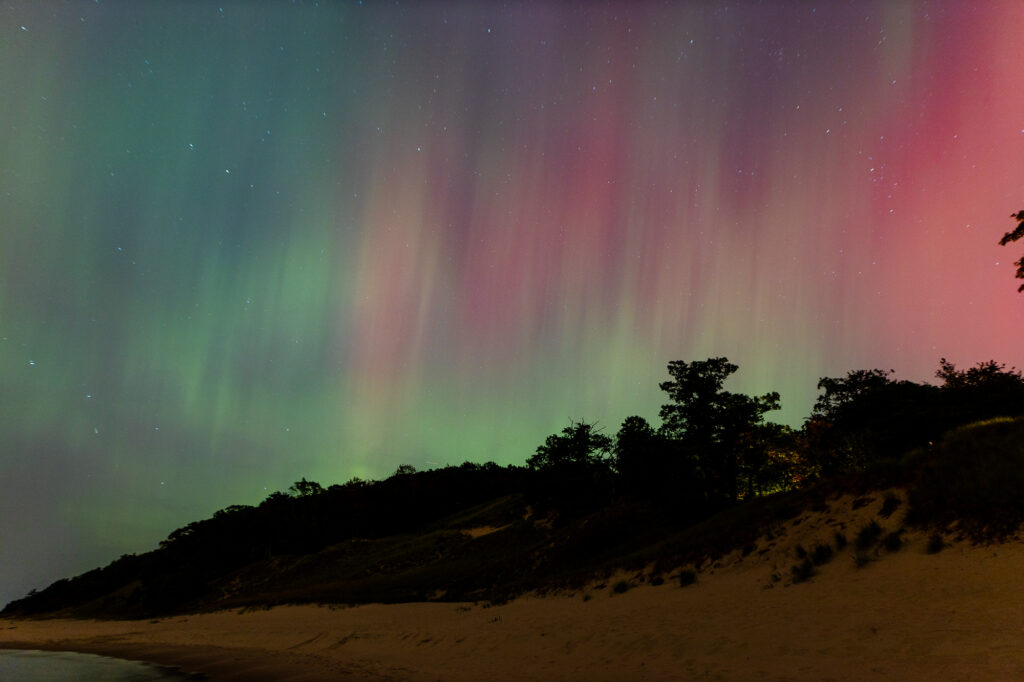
(868, 535)
(935, 544)
(861, 558)
(802, 571)
(893, 541)
(620, 587)
(889, 505)
(840, 539)
(687, 577)
(821, 554)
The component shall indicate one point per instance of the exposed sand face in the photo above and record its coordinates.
(955, 615)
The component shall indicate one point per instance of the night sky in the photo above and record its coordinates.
(246, 242)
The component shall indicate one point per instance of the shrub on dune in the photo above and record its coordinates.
(974, 475)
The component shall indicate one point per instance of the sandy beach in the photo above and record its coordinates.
(910, 615)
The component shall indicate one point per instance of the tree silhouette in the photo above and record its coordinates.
(579, 447)
(305, 488)
(654, 467)
(1012, 237)
(709, 422)
(634, 446)
(981, 392)
(404, 470)
(770, 460)
(984, 374)
(640, 456)
(838, 393)
(866, 417)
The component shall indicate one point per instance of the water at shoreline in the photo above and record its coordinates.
(30, 665)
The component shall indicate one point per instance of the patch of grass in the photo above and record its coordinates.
(687, 577)
(802, 571)
(889, 505)
(821, 554)
(935, 544)
(620, 587)
(840, 539)
(861, 559)
(868, 534)
(893, 541)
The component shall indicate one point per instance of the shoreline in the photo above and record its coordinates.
(213, 664)
(906, 614)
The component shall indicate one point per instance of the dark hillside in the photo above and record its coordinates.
(709, 480)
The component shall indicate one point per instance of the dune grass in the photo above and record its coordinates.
(868, 535)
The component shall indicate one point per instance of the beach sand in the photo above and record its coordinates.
(908, 615)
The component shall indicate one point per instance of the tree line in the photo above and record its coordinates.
(712, 449)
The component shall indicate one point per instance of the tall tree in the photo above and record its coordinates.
(709, 422)
(1012, 237)
(634, 446)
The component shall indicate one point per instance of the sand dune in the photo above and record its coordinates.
(955, 615)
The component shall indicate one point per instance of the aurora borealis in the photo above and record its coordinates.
(245, 242)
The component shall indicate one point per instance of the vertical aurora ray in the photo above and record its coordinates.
(245, 242)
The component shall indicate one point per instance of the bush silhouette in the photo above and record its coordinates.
(975, 474)
(889, 506)
(687, 577)
(868, 535)
(821, 554)
(802, 571)
(893, 541)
